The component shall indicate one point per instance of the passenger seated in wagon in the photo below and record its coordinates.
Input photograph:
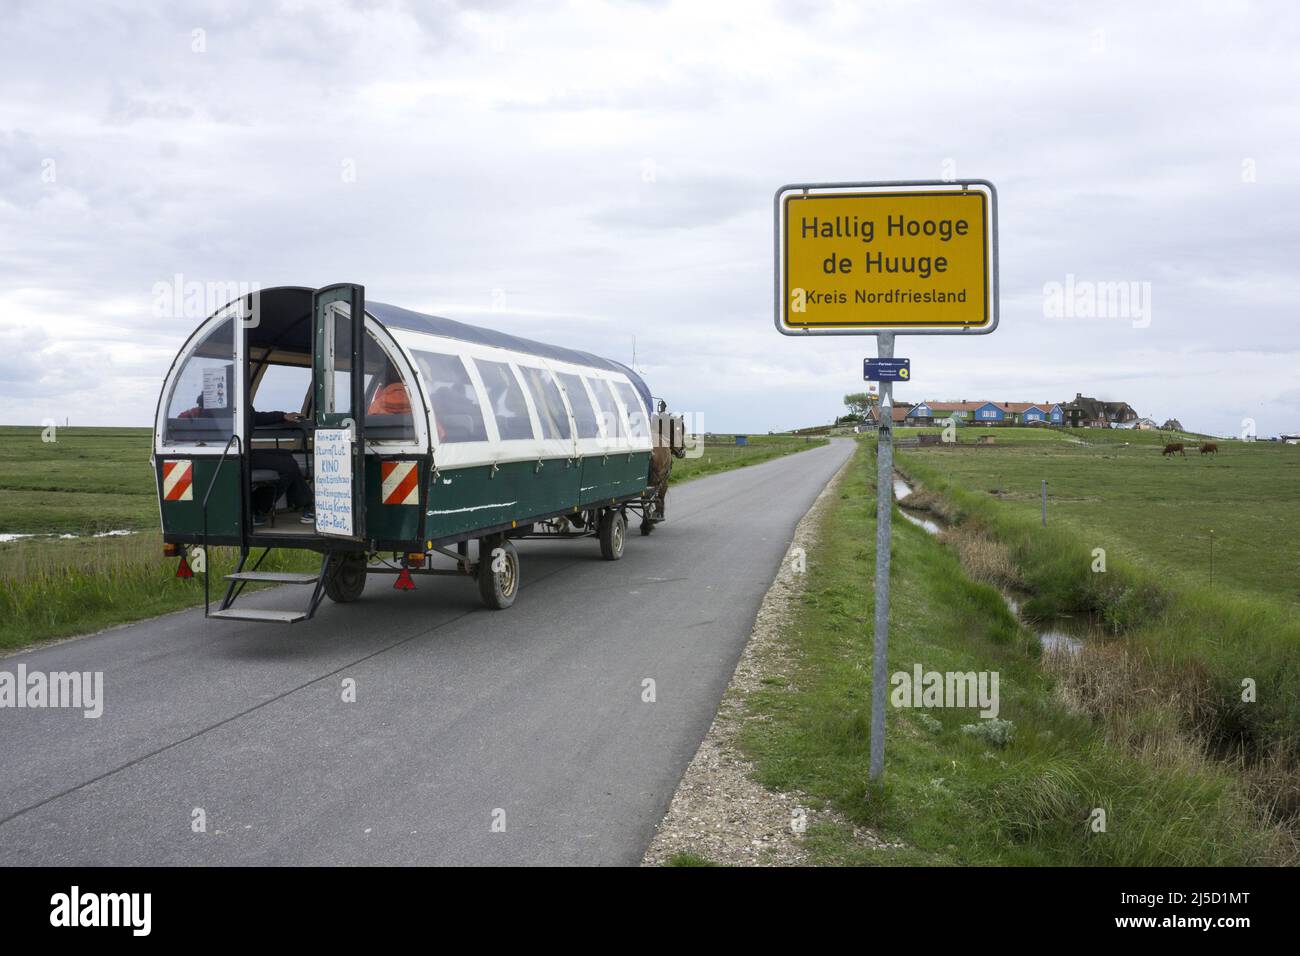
(391, 397)
(290, 481)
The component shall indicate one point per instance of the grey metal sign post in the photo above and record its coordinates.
(861, 261)
(884, 528)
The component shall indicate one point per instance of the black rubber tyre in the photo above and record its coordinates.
(646, 526)
(613, 535)
(345, 577)
(498, 588)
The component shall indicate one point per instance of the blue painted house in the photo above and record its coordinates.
(1035, 413)
(987, 413)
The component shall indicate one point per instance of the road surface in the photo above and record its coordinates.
(464, 718)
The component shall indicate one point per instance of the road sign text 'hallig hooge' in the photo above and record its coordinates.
(886, 259)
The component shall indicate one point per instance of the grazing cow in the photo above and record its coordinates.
(1174, 448)
(1209, 448)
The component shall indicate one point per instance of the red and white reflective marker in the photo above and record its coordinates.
(401, 482)
(178, 480)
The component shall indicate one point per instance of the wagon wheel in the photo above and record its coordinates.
(345, 577)
(498, 572)
(613, 535)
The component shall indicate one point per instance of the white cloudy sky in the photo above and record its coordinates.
(589, 173)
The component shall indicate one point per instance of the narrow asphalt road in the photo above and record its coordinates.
(464, 718)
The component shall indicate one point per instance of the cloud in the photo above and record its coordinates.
(596, 174)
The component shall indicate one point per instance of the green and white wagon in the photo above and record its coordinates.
(417, 437)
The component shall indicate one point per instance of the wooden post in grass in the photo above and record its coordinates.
(1044, 502)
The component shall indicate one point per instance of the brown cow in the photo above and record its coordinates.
(1209, 448)
(1174, 448)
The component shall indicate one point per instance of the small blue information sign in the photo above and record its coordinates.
(887, 370)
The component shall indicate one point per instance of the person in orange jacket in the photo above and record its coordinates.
(391, 398)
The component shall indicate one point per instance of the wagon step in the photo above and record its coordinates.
(275, 577)
(256, 614)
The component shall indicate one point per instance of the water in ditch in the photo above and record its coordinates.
(1064, 635)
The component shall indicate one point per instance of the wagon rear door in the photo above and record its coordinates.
(338, 390)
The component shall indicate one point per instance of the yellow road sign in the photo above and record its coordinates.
(887, 258)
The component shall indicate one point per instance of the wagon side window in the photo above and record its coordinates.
(583, 414)
(608, 408)
(201, 407)
(636, 414)
(455, 403)
(387, 396)
(506, 399)
(550, 404)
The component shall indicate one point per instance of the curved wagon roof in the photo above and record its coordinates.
(395, 317)
(285, 320)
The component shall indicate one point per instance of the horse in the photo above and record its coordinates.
(1174, 448)
(669, 443)
(1209, 448)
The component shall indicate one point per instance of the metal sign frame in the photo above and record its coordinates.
(911, 185)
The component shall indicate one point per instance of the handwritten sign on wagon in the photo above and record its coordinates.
(885, 259)
(333, 474)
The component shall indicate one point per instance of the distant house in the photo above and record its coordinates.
(1034, 413)
(987, 413)
(921, 414)
(1120, 412)
(937, 413)
(1140, 424)
(899, 416)
(1086, 412)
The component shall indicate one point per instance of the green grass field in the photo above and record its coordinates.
(88, 480)
(1120, 494)
(95, 480)
(65, 580)
(721, 453)
(1222, 657)
(953, 797)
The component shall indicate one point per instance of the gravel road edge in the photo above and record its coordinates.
(719, 813)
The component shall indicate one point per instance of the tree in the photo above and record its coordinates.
(859, 403)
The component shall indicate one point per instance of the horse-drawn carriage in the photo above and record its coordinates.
(378, 429)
